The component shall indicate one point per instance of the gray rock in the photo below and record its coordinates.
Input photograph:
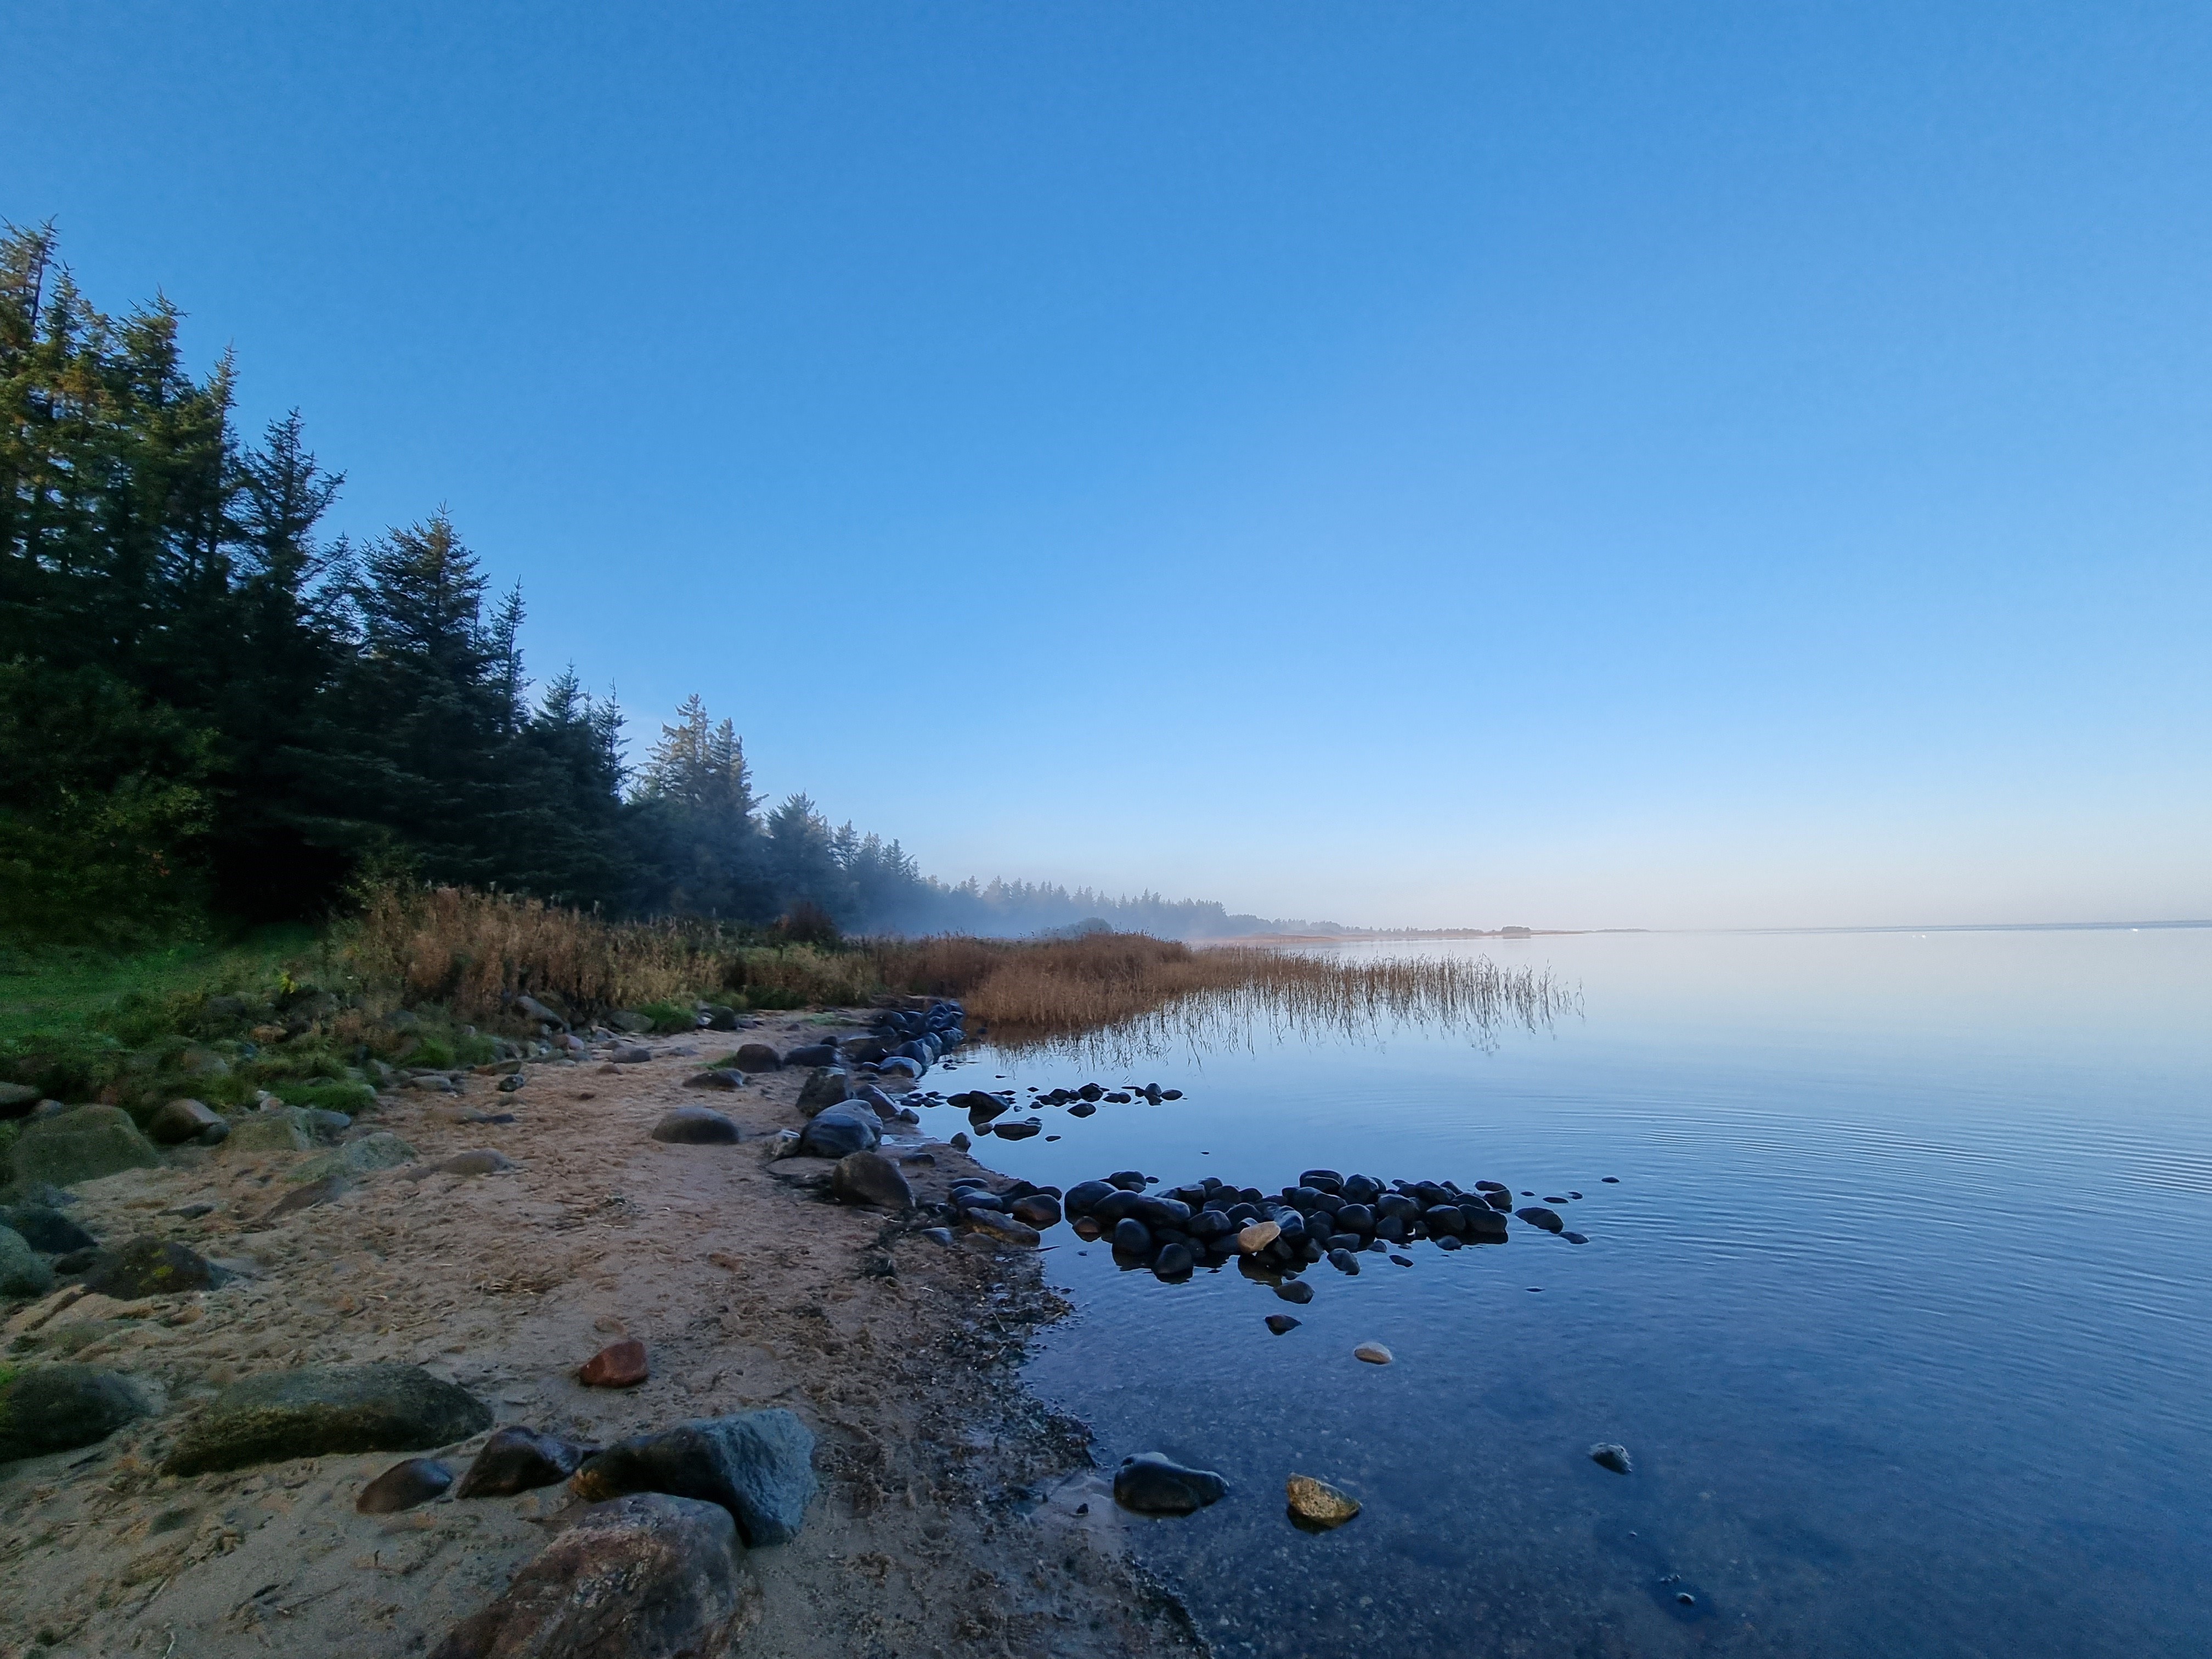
(726, 1078)
(381, 1151)
(758, 1465)
(52, 1408)
(1003, 1227)
(839, 1130)
(320, 1410)
(829, 1085)
(181, 1120)
(21, 1273)
(17, 1100)
(507, 1085)
(696, 1126)
(315, 1193)
(79, 1145)
(812, 1053)
(870, 1178)
(881, 1103)
(902, 1066)
(325, 1127)
(45, 1229)
(646, 1577)
(517, 1459)
(629, 1022)
(721, 1017)
(403, 1485)
(151, 1266)
(628, 1054)
(484, 1161)
(757, 1057)
(531, 1008)
(1608, 1456)
(1537, 1215)
(1152, 1483)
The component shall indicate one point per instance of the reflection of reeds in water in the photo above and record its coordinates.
(1113, 996)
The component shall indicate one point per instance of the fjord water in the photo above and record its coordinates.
(1903, 1306)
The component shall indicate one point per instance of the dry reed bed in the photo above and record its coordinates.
(476, 951)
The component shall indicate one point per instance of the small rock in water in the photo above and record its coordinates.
(1374, 1353)
(1403, 1261)
(1151, 1483)
(1576, 1238)
(619, 1365)
(1537, 1215)
(1280, 1324)
(1343, 1260)
(1318, 1503)
(1040, 1210)
(1610, 1181)
(1021, 1131)
(1295, 1290)
(403, 1485)
(1607, 1456)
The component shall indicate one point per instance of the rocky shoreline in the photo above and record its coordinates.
(492, 1235)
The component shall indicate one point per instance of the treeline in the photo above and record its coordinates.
(209, 706)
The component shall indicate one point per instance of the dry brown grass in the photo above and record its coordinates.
(1127, 992)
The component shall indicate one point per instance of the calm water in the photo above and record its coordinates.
(1903, 1306)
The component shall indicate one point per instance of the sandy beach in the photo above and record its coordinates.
(956, 1516)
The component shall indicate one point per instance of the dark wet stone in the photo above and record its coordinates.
(1323, 1180)
(1081, 1108)
(1607, 1456)
(1500, 1200)
(1130, 1181)
(1361, 1190)
(1537, 1215)
(1174, 1262)
(151, 1266)
(1403, 1261)
(1576, 1238)
(1344, 1261)
(1610, 1181)
(1444, 1218)
(839, 1130)
(828, 1086)
(1153, 1484)
(1574, 1195)
(1281, 1323)
(758, 1465)
(727, 1079)
(1355, 1218)
(1040, 1210)
(757, 1057)
(320, 1410)
(403, 1485)
(1549, 1199)
(1085, 1196)
(55, 1408)
(1448, 1243)
(1132, 1236)
(516, 1459)
(646, 1576)
(811, 1054)
(1295, 1290)
(695, 1126)
(1017, 1131)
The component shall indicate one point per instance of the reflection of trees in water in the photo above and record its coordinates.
(1245, 992)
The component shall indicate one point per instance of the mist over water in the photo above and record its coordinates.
(1900, 1305)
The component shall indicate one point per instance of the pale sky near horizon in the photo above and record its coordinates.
(1575, 465)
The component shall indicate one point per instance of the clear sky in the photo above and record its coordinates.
(1642, 464)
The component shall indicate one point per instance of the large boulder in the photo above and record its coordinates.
(151, 1266)
(758, 1465)
(283, 1130)
(870, 1178)
(829, 1085)
(841, 1130)
(320, 1410)
(181, 1120)
(21, 1273)
(82, 1144)
(52, 1408)
(646, 1576)
(757, 1057)
(381, 1150)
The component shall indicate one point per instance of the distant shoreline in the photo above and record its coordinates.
(1370, 934)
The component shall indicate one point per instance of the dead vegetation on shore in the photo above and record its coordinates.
(474, 951)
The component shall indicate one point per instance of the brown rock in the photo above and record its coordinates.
(403, 1485)
(1374, 1353)
(1257, 1237)
(619, 1365)
(1318, 1503)
(181, 1120)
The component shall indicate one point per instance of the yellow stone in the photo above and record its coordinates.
(1257, 1237)
(1318, 1502)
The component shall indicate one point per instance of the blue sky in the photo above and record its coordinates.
(1570, 464)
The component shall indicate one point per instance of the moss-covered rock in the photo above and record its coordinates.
(381, 1151)
(81, 1145)
(255, 1133)
(323, 1410)
(52, 1408)
(151, 1266)
(21, 1273)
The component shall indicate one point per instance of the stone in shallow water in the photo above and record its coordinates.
(644, 1577)
(403, 1485)
(1374, 1353)
(1281, 1323)
(1295, 1290)
(1608, 1456)
(1344, 1261)
(1318, 1503)
(1537, 1215)
(1152, 1483)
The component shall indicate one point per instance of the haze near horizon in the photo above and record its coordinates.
(1591, 466)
